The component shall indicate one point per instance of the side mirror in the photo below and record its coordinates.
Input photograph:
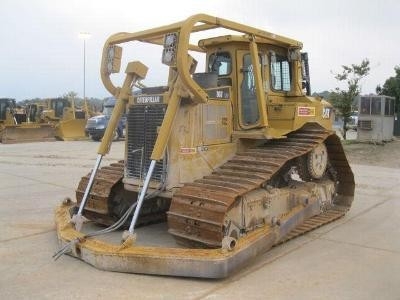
(170, 49)
(305, 70)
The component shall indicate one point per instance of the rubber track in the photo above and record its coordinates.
(198, 209)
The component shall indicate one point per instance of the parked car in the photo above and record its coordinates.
(96, 126)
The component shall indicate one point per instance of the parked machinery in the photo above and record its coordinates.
(21, 124)
(237, 158)
(68, 120)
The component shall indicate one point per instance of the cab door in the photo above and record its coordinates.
(249, 116)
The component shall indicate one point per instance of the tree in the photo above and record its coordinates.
(70, 94)
(342, 99)
(391, 87)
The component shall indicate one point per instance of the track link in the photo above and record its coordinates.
(104, 181)
(198, 209)
(108, 199)
(313, 223)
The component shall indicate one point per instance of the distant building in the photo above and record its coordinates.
(375, 118)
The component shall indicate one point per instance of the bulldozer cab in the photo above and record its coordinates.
(7, 107)
(58, 105)
(279, 73)
(11, 113)
(56, 108)
(34, 112)
(236, 73)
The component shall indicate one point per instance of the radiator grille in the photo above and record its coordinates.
(143, 121)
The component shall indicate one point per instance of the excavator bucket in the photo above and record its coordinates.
(27, 133)
(71, 130)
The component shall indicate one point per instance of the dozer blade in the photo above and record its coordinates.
(178, 261)
(27, 133)
(71, 130)
(170, 261)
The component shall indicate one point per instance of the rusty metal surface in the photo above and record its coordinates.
(312, 223)
(203, 263)
(198, 209)
(97, 204)
(26, 133)
(108, 195)
(197, 212)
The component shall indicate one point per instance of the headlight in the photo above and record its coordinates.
(169, 52)
(170, 39)
(113, 61)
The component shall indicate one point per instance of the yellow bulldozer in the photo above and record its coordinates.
(68, 120)
(22, 124)
(220, 164)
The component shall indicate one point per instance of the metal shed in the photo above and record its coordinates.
(376, 118)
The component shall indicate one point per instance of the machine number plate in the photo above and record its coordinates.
(326, 113)
(219, 94)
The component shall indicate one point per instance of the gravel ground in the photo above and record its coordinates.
(356, 257)
(383, 155)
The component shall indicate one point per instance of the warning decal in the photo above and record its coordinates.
(305, 111)
(185, 150)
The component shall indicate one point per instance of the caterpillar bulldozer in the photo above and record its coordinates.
(225, 163)
(68, 120)
(22, 124)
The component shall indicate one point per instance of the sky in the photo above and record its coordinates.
(41, 55)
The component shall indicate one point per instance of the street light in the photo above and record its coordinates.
(84, 36)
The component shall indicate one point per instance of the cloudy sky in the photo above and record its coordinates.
(42, 56)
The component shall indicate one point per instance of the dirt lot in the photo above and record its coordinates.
(383, 155)
(356, 257)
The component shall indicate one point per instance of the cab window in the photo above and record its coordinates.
(249, 105)
(220, 63)
(280, 73)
